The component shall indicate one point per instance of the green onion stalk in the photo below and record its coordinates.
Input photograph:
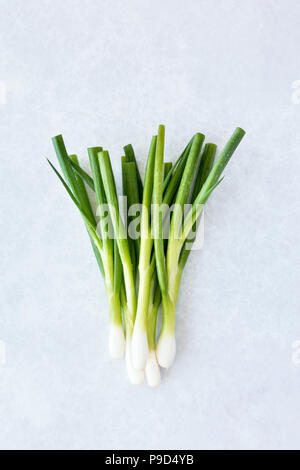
(125, 257)
(143, 272)
(143, 350)
(106, 251)
(139, 339)
(152, 370)
(169, 268)
(111, 260)
(133, 190)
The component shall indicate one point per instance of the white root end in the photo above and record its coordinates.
(166, 350)
(116, 341)
(136, 377)
(152, 370)
(139, 348)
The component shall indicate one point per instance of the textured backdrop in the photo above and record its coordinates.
(108, 72)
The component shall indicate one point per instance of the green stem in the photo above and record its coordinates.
(154, 303)
(169, 316)
(125, 194)
(130, 157)
(157, 214)
(114, 305)
(119, 232)
(212, 181)
(185, 186)
(85, 197)
(83, 174)
(146, 241)
(132, 193)
(206, 164)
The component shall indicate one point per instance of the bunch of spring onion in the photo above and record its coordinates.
(140, 257)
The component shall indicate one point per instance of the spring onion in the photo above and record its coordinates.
(142, 255)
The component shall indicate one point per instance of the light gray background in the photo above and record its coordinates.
(108, 72)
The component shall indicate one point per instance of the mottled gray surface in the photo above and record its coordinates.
(108, 72)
